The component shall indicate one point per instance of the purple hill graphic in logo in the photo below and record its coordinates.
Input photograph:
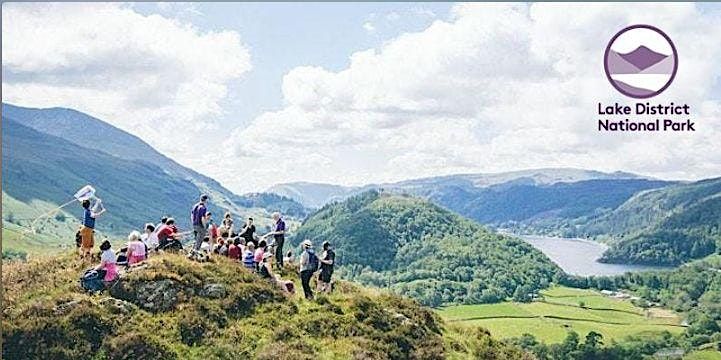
(640, 61)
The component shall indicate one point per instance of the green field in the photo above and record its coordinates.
(53, 233)
(558, 312)
(704, 355)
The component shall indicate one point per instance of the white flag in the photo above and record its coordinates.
(85, 193)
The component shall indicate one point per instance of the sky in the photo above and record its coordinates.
(353, 93)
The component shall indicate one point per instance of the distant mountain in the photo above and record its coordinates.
(519, 196)
(665, 226)
(424, 251)
(45, 159)
(45, 167)
(68, 123)
(313, 195)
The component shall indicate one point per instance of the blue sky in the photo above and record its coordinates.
(282, 36)
(357, 93)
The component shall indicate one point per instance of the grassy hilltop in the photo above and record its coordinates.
(175, 308)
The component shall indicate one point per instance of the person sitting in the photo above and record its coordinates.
(288, 258)
(150, 238)
(168, 236)
(248, 232)
(258, 257)
(121, 258)
(249, 256)
(266, 272)
(136, 249)
(227, 222)
(205, 247)
(234, 249)
(107, 262)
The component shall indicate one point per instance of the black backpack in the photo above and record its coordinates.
(92, 281)
(313, 262)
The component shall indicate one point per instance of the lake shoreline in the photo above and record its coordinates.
(578, 256)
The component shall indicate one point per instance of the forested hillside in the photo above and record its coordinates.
(420, 250)
(666, 226)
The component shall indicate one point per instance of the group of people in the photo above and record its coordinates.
(256, 253)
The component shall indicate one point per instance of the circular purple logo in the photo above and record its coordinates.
(640, 61)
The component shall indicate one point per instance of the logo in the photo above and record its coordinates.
(640, 61)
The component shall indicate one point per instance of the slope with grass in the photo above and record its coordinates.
(178, 309)
(423, 251)
(561, 309)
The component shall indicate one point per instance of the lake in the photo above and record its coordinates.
(579, 256)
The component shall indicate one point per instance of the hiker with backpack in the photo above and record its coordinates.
(199, 221)
(95, 279)
(327, 261)
(308, 266)
(88, 229)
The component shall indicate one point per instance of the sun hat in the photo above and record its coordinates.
(307, 243)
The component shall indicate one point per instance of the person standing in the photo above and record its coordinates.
(279, 237)
(86, 232)
(198, 218)
(308, 266)
(327, 261)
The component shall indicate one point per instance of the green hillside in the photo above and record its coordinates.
(44, 163)
(37, 166)
(666, 226)
(178, 309)
(420, 250)
(45, 158)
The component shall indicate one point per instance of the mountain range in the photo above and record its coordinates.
(528, 196)
(48, 154)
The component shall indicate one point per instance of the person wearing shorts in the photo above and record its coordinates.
(87, 240)
(327, 261)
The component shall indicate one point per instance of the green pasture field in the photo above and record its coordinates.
(559, 311)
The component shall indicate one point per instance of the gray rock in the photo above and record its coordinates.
(65, 307)
(159, 295)
(118, 306)
(215, 291)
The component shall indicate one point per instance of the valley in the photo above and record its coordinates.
(434, 240)
(560, 309)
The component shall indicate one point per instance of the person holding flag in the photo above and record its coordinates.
(86, 231)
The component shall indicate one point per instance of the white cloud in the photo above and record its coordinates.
(369, 27)
(150, 75)
(496, 87)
